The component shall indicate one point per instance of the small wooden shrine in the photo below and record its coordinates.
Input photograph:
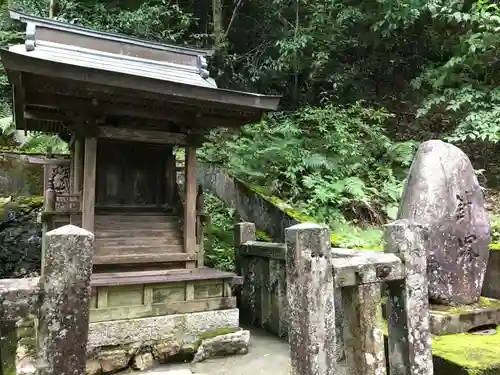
(123, 104)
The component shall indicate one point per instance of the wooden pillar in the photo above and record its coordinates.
(78, 166)
(190, 200)
(190, 245)
(171, 178)
(89, 180)
(46, 170)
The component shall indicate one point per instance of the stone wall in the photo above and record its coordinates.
(18, 177)
(20, 237)
(249, 205)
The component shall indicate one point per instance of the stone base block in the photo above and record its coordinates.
(143, 343)
(447, 320)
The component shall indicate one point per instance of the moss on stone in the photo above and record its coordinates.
(335, 238)
(483, 303)
(495, 246)
(263, 236)
(474, 353)
(211, 334)
(21, 205)
(217, 332)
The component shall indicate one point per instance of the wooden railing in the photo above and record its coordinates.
(328, 301)
(60, 301)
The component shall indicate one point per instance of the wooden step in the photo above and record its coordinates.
(148, 232)
(161, 276)
(139, 241)
(132, 218)
(137, 225)
(139, 248)
(134, 258)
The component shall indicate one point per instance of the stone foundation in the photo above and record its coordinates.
(447, 320)
(144, 343)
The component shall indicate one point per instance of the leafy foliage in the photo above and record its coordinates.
(328, 160)
(218, 241)
(362, 83)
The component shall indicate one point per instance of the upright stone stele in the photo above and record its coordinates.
(310, 295)
(409, 341)
(442, 190)
(63, 317)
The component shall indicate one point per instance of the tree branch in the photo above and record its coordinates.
(233, 16)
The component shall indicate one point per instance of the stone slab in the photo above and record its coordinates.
(447, 320)
(186, 327)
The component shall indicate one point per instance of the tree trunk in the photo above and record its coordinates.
(217, 21)
(52, 8)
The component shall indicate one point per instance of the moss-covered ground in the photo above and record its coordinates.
(476, 354)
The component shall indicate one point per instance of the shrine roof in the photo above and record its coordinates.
(73, 62)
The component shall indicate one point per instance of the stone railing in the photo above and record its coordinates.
(262, 297)
(59, 299)
(329, 300)
(248, 205)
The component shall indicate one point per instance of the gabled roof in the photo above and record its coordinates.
(73, 62)
(65, 43)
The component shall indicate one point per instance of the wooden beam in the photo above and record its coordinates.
(137, 135)
(78, 165)
(89, 182)
(47, 161)
(18, 95)
(41, 115)
(190, 201)
(142, 258)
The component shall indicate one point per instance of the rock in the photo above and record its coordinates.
(113, 360)
(164, 349)
(442, 190)
(93, 368)
(143, 361)
(232, 343)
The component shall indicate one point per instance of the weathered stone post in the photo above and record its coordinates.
(244, 232)
(410, 342)
(364, 338)
(63, 317)
(310, 294)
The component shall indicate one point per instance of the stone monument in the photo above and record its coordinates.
(442, 190)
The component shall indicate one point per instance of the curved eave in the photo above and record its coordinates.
(235, 100)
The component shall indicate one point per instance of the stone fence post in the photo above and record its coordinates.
(310, 294)
(63, 316)
(315, 273)
(60, 300)
(410, 342)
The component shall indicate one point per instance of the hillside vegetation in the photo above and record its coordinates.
(362, 83)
